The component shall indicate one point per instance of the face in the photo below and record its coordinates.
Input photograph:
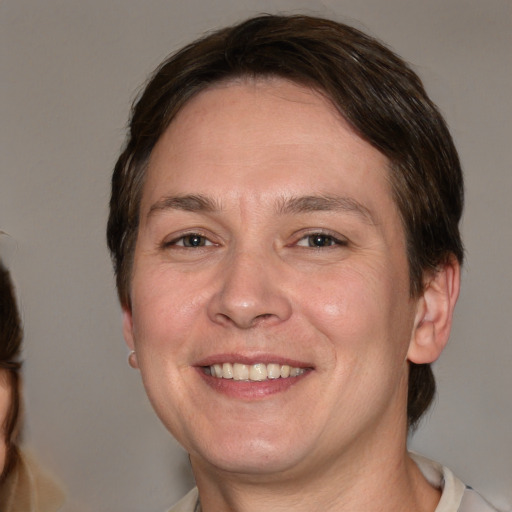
(270, 306)
(5, 401)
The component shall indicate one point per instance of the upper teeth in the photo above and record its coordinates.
(257, 372)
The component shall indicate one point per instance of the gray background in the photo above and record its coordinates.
(69, 71)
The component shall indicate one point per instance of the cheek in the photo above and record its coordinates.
(3, 454)
(158, 297)
(167, 309)
(5, 400)
(361, 309)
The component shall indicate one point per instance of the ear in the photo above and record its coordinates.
(128, 336)
(434, 314)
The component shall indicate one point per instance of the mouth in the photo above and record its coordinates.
(251, 377)
(258, 372)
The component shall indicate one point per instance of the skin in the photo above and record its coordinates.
(5, 400)
(255, 290)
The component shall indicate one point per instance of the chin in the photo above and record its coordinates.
(249, 456)
(249, 464)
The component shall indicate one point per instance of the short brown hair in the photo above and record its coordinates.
(374, 90)
(10, 347)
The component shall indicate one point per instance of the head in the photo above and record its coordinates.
(10, 347)
(374, 91)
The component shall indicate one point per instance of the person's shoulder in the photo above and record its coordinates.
(188, 503)
(30, 487)
(473, 502)
(455, 495)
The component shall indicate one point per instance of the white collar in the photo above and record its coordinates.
(452, 489)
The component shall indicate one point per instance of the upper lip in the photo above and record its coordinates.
(251, 359)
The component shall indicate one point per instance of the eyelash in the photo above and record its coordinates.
(176, 241)
(203, 241)
(320, 236)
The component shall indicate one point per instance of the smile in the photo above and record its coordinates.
(253, 372)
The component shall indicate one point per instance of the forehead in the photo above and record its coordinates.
(262, 138)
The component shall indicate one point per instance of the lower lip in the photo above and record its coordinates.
(251, 390)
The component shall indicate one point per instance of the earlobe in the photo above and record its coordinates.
(434, 314)
(128, 337)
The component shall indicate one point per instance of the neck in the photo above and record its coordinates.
(375, 482)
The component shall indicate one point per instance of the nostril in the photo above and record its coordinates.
(261, 319)
(246, 322)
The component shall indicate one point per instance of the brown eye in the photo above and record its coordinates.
(194, 240)
(319, 240)
(191, 240)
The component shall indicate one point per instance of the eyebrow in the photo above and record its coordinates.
(305, 204)
(188, 203)
(284, 206)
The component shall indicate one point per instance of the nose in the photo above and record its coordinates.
(250, 293)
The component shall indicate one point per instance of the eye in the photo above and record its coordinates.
(190, 240)
(319, 240)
